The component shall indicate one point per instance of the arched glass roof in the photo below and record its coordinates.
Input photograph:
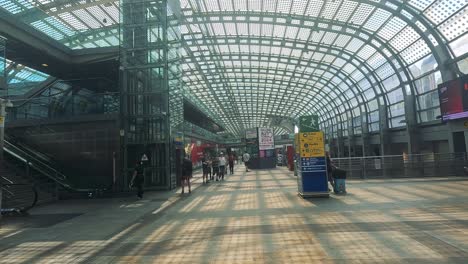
(246, 61)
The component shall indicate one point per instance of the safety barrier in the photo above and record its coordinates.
(400, 166)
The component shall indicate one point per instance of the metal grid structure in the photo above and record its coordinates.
(244, 61)
(3, 73)
(144, 89)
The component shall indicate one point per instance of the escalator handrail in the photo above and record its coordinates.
(31, 160)
(25, 209)
(40, 166)
(26, 149)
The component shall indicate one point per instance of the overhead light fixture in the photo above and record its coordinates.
(45, 64)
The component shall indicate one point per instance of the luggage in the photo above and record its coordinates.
(340, 186)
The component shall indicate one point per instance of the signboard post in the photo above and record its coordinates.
(312, 165)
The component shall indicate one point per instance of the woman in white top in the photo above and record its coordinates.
(222, 166)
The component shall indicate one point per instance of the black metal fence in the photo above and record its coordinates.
(400, 166)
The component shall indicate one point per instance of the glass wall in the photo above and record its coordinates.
(3, 83)
(64, 99)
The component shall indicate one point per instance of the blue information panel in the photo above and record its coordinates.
(313, 176)
(312, 165)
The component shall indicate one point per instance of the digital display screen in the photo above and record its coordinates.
(453, 98)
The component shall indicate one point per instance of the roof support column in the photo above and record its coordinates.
(414, 144)
(385, 142)
(340, 142)
(413, 137)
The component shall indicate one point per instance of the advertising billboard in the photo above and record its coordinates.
(266, 138)
(453, 97)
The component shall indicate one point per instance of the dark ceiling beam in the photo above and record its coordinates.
(13, 29)
(29, 47)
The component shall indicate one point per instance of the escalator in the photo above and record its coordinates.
(66, 128)
(29, 178)
(39, 167)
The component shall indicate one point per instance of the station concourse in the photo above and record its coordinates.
(316, 131)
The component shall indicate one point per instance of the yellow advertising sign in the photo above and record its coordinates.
(312, 144)
(2, 121)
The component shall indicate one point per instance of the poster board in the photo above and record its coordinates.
(266, 138)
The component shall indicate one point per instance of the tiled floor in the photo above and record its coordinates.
(255, 217)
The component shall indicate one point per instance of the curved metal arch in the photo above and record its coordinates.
(339, 95)
(262, 56)
(354, 82)
(340, 50)
(322, 105)
(319, 102)
(381, 5)
(330, 23)
(439, 38)
(190, 54)
(317, 91)
(337, 72)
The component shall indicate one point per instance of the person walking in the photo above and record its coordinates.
(138, 179)
(210, 164)
(222, 166)
(246, 158)
(231, 163)
(205, 167)
(215, 166)
(187, 168)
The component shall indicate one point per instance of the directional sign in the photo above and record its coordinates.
(312, 144)
(309, 123)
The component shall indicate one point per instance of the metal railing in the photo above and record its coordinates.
(42, 167)
(35, 163)
(17, 197)
(401, 166)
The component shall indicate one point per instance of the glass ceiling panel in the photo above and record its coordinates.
(255, 56)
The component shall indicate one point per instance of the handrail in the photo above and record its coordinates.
(26, 149)
(30, 159)
(24, 209)
(40, 166)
